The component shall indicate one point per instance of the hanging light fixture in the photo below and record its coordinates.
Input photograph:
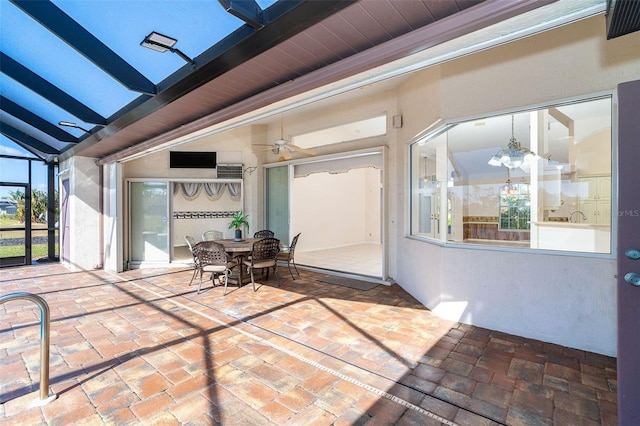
(514, 155)
(508, 188)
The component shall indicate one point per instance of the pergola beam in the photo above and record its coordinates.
(247, 10)
(50, 92)
(25, 140)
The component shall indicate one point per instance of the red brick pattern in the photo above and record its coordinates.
(142, 347)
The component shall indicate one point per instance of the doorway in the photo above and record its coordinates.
(336, 203)
(15, 225)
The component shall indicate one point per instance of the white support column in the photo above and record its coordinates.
(113, 206)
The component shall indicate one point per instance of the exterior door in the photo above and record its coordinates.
(15, 227)
(628, 264)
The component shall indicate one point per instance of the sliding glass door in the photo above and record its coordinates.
(149, 224)
(277, 202)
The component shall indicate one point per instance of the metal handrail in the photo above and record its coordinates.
(45, 397)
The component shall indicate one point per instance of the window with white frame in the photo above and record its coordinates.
(515, 206)
(536, 179)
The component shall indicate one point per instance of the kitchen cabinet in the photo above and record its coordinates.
(595, 199)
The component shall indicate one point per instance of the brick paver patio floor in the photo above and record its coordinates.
(141, 347)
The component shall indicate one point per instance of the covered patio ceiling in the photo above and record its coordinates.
(83, 63)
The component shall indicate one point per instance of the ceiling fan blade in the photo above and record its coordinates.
(303, 150)
(285, 154)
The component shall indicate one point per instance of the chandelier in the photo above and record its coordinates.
(514, 155)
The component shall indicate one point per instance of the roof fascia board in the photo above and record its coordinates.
(76, 36)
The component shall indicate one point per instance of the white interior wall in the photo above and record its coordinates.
(335, 210)
(569, 300)
(373, 206)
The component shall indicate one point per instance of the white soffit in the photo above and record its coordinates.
(367, 128)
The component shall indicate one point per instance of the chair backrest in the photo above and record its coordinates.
(190, 242)
(265, 233)
(292, 247)
(210, 253)
(212, 236)
(265, 249)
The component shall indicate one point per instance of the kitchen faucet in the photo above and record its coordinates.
(576, 211)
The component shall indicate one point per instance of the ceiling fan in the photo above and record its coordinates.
(285, 148)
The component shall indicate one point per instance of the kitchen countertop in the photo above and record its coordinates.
(558, 224)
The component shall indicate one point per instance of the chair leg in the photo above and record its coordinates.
(195, 272)
(289, 267)
(225, 277)
(252, 280)
(294, 265)
(275, 272)
(200, 284)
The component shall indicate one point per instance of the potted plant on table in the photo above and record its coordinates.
(239, 220)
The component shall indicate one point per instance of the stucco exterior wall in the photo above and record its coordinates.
(84, 213)
(113, 217)
(564, 299)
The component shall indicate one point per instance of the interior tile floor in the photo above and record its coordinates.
(141, 347)
(358, 259)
